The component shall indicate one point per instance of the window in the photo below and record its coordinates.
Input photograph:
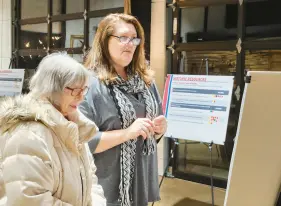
(48, 26)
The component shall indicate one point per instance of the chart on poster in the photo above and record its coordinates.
(11, 82)
(197, 107)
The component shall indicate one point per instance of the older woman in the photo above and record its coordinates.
(123, 101)
(44, 157)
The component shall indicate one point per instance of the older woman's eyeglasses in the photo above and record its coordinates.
(76, 92)
(125, 40)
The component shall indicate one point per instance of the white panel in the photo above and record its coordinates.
(1, 39)
(6, 39)
(33, 8)
(73, 27)
(192, 20)
(73, 6)
(254, 174)
(102, 4)
(1, 12)
(94, 22)
(216, 18)
(7, 8)
(158, 62)
(43, 27)
(5, 63)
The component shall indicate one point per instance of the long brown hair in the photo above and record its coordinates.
(98, 58)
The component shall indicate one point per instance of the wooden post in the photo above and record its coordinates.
(240, 65)
(176, 37)
(86, 25)
(50, 24)
(127, 7)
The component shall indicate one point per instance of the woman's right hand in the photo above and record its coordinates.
(141, 127)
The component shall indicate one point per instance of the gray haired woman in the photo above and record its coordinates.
(44, 157)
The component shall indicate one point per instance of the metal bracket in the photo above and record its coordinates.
(173, 5)
(48, 50)
(248, 79)
(84, 50)
(14, 53)
(48, 18)
(175, 26)
(172, 47)
(15, 23)
(238, 45)
(85, 14)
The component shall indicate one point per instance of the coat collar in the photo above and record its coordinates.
(16, 110)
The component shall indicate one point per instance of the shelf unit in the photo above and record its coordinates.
(240, 45)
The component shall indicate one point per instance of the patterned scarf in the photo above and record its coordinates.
(127, 115)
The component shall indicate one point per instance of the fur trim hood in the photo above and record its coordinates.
(15, 111)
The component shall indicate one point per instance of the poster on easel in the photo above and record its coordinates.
(11, 82)
(197, 107)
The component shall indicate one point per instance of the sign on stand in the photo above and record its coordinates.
(197, 107)
(11, 82)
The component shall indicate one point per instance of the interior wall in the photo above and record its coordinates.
(193, 21)
(5, 33)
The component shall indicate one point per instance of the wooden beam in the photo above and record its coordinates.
(104, 12)
(263, 45)
(63, 23)
(127, 7)
(67, 17)
(203, 3)
(240, 47)
(17, 30)
(77, 50)
(50, 25)
(42, 52)
(86, 25)
(206, 46)
(206, 15)
(27, 52)
(37, 20)
(240, 59)
(176, 38)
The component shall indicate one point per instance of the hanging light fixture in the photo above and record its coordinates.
(27, 45)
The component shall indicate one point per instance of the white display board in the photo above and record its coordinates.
(197, 107)
(255, 168)
(11, 82)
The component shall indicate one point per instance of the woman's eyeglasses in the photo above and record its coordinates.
(77, 92)
(125, 40)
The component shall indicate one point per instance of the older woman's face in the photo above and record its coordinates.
(122, 54)
(71, 98)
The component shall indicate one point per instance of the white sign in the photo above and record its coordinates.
(197, 107)
(11, 81)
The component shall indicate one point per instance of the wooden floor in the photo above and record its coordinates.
(176, 192)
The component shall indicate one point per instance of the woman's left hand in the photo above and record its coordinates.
(160, 124)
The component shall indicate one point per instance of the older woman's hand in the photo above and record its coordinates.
(160, 124)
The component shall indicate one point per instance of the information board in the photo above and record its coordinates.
(11, 82)
(197, 107)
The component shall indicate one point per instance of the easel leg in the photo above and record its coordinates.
(211, 173)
